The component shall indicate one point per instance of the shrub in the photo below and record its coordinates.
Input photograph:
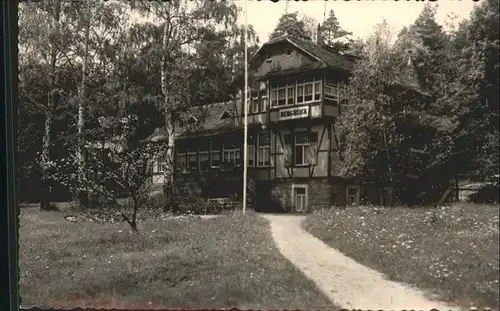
(158, 201)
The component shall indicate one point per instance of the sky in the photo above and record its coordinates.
(360, 17)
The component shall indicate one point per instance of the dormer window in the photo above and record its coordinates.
(225, 115)
(288, 52)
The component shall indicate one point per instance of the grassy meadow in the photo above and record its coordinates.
(452, 252)
(224, 262)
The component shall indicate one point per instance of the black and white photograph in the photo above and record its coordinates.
(270, 155)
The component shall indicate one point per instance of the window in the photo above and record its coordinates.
(300, 93)
(352, 195)
(253, 100)
(288, 53)
(301, 149)
(181, 161)
(161, 164)
(263, 145)
(290, 95)
(317, 90)
(204, 160)
(330, 91)
(282, 96)
(215, 154)
(263, 98)
(274, 97)
(215, 159)
(231, 157)
(308, 92)
(204, 157)
(192, 162)
(250, 156)
(181, 157)
(255, 105)
(268, 58)
(296, 92)
(263, 103)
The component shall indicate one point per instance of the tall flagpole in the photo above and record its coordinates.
(245, 106)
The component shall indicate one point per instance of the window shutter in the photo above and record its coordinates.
(313, 153)
(288, 155)
(287, 149)
(313, 148)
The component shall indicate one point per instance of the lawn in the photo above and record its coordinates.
(455, 256)
(224, 262)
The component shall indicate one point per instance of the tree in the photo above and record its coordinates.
(94, 24)
(364, 126)
(393, 132)
(433, 60)
(292, 26)
(44, 44)
(182, 27)
(114, 169)
(330, 29)
(478, 44)
(310, 25)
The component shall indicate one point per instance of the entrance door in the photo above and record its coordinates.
(299, 198)
(263, 202)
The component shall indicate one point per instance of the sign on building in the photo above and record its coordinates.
(294, 113)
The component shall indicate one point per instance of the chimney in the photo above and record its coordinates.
(319, 39)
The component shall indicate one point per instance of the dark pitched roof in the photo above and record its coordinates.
(218, 127)
(209, 121)
(292, 71)
(328, 56)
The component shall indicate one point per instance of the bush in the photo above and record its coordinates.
(199, 206)
(157, 201)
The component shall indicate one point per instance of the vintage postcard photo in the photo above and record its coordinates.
(311, 155)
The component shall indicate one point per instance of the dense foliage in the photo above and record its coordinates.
(442, 124)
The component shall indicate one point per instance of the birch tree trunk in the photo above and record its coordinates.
(83, 195)
(169, 126)
(50, 109)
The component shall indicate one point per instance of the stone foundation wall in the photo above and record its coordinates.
(321, 193)
(324, 194)
(281, 195)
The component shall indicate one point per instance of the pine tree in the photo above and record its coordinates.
(291, 25)
(330, 29)
(478, 39)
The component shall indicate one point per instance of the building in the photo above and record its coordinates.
(296, 87)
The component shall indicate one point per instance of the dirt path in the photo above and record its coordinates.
(346, 282)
